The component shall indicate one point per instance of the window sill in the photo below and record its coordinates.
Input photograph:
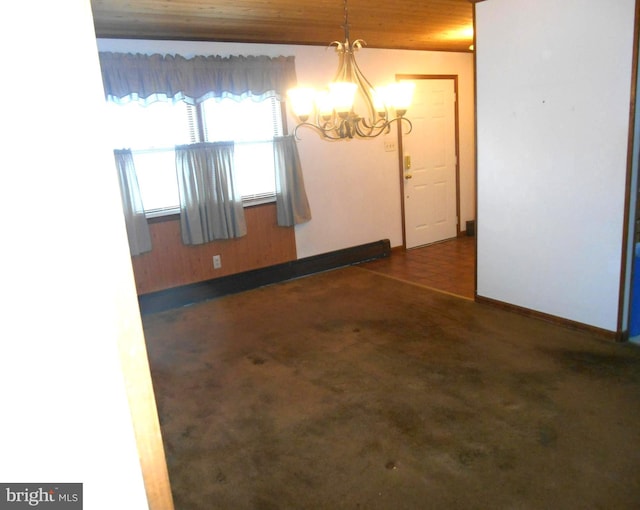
(161, 213)
(158, 216)
(250, 202)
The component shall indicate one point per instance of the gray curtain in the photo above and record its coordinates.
(135, 220)
(292, 205)
(149, 78)
(210, 203)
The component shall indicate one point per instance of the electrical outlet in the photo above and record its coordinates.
(217, 262)
(389, 145)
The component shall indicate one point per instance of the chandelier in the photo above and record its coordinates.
(332, 112)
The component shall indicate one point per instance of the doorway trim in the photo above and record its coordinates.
(628, 266)
(454, 78)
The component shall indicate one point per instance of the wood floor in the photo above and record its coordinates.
(448, 266)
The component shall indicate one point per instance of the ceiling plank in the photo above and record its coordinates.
(443, 25)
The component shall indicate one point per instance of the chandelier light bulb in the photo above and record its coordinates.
(324, 105)
(302, 102)
(342, 95)
(402, 95)
(380, 100)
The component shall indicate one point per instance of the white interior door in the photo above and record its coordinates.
(430, 193)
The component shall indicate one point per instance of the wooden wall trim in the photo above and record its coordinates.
(629, 215)
(475, 147)
(615, 336)
(144, 414)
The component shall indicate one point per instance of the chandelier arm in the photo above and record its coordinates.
(381, 128)
(341, 72)
(399, 120)
(381, 122)
(365, 87)
(408, 122)
(325, 132)
(350, 128)
(372, 131)
(332, 124)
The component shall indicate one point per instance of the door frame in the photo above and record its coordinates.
(454, 78)
(632, 198)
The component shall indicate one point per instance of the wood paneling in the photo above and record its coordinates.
(171, 263)
(412, 24)
(218, 287)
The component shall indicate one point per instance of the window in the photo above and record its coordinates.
(252, 125)
(152, 131)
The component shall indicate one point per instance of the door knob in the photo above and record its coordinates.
(408, 176)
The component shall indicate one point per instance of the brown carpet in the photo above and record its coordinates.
(348, 389)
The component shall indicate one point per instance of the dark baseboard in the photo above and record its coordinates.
(160, 301)
(599, 332)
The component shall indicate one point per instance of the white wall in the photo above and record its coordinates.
(352, 186)
(553, 89)
(67, 285)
